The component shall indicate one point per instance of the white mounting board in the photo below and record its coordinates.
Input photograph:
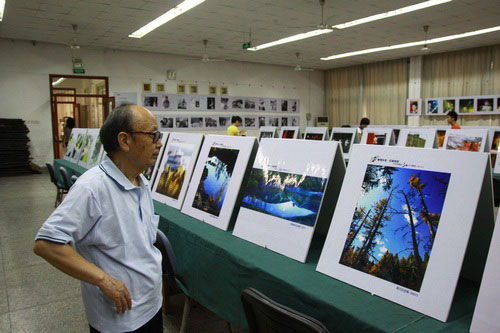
(467, 140)
(346, 137)
(282, 200)
(291, 130)
(385, 132)
(316, 133)
(212, 200)
(432, 167)
(267, 132)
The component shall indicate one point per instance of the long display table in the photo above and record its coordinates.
(216, 266)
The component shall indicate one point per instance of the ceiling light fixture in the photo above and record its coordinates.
(2, 9)
(391, 13)
(59, 81)
(381, 16)
(423, 42)
(293, 38)
(168, 16)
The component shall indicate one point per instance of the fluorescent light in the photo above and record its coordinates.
(391, 13)
(170, 15)
(291, 39)
(2, 9)
(423, 42)
(59, 81)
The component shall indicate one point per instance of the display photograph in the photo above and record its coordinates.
(167, 122)
(166, 102)
(249, 104)
(195, 103)
(293, 197)
(433, 106)
(288, 134)
(266, 135)
(182, 103)
(274, 121)
(237, 104)
(97, 151)
(463, 142)
(441, 134)
(414, 140)
(376, 139)
(261, 106)
(262, 121)
(314, 136)
(215, 180)
(151, 101)
(87, 146)
(484, 104)
(448, 105)
(345, 140)
(498, 104)
(495, 140)
(284, 105)
(414, 107)
(224, 103)
(466, 105)
(210, 103)
(395, 224)
(174, 170)
(284, 121)
(249, 121)
(274, 104)
(293, 106)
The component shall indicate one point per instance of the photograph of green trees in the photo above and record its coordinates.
(395, 223)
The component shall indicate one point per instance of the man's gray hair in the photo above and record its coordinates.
(119, 120)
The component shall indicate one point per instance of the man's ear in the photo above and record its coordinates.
(124, 141)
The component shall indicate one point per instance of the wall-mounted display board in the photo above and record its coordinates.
(486, 318)
(290, 132)
(418, 137)
(346, 137)
(380, 136)
(75, 145)
(87, 147)
(282, 200)
(182, 102)
(216, 181)
(150, 173)
(191, 121)
(463, 105)
(268, 132)
(400, 229)
(467, 140)
(413, 107)
(176, 168)
(316, 133)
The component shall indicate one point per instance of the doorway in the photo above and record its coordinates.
(83, 98)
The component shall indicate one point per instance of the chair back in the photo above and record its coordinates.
(52, 173)
(73, 179)
(66, 180)
(265, 315)
(169, 266)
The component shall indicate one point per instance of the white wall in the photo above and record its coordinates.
(25, 69)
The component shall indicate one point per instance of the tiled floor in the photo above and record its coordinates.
(36, 297)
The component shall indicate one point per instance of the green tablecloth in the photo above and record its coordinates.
(71, 168)
(216, 266)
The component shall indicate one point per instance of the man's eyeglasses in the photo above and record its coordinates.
(157, 135)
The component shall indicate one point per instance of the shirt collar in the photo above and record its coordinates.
(117, 175)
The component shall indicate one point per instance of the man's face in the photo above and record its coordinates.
(143, 151)
(363, 126)
(237, 123)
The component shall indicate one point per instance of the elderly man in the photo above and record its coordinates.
(108, 217)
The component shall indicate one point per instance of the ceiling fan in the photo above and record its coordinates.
(205, 57)
(426, 48)
(322, 24)
(299, 68)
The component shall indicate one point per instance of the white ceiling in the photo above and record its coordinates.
(226, 23)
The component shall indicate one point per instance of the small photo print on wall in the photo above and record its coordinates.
(284, 121)
(432, 106)
(193, 89)
(448, 105)
(210, 103)
(274, 121)
(182, 122)
(224, 103)
(196, 122)
(210, 122)
(261, 104)
(262, 121)
(413, 107)
(484, 104)
(182, 103)
(284, 105)
(249, 122)
(249, 104)
(466, 105)
(181, 88)
(212, 90)
(237, 104)
(160, 87)
(295, 121)
(224, 121)
(146, 87)
(150, 101)
(223, 90)
(293, 105)
(166, 122)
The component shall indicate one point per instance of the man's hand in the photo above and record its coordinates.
(116, 291)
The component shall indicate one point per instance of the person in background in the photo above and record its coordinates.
(103, 233)
(363, 124)
(68, 127)
(233, 129)
(452, 120)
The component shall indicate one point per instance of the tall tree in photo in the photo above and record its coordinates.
(356, 225)
(428, 219)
